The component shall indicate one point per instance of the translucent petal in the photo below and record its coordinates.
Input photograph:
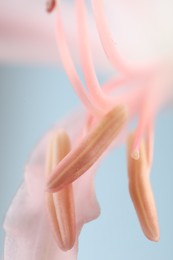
(28, 234)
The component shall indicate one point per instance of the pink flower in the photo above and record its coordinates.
(137, 84)
(58, 213)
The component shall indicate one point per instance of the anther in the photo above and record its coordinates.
(60, 205)
(50, 5)
(79, 160)
(141, 191)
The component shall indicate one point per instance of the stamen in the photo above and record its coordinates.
(60, 205)
(141, 192)
(106, 39)
(79, 160)
(146, 114)
(71, 71)
(50, 5)
(150, 142)
(86, 59)
(115, 83)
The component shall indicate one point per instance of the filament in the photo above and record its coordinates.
(71, 71)
(106, 38)
(86, 59)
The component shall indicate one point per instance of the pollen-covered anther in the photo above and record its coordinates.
(60, 205)
(50, 5)
(79, 160)
(141, 191)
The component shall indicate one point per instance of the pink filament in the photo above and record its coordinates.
(150, 141)
(114, 83)
(106, 39)
(146, 114)
(86, 59)
(71, 71)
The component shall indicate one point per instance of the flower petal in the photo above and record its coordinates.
(28, 233)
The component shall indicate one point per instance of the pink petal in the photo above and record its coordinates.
(28, 234)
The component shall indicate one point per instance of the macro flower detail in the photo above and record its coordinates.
(58, 195)
(138, 100)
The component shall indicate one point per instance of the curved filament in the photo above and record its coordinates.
(106, 38)
(146, 115)
(71, 71)
(86, 59)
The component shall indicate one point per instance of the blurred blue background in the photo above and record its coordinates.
(32, 99)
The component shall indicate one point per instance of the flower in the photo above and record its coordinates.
(130, 93)
(142, 81)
